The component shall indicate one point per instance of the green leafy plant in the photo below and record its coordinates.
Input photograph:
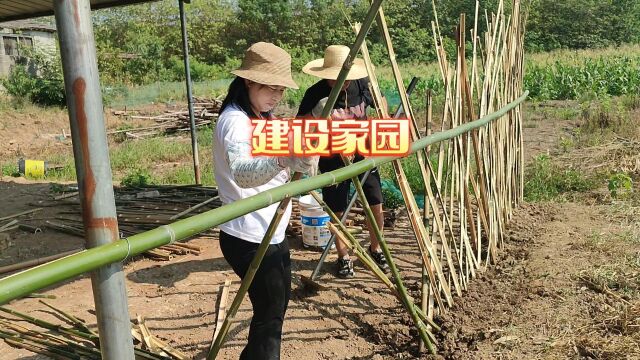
(391, 195)
(9, 170)
(37, 76)
(137, 178)
(620, 185)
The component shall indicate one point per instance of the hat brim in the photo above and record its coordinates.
(316, 68)
(266, 79)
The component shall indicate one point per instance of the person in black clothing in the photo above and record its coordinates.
(352, 103)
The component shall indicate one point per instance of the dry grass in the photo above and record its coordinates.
(614, 333)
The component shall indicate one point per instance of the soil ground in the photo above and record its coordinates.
(537, 303)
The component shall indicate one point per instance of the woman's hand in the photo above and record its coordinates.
(304, 164)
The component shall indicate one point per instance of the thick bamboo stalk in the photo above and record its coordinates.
(23, 283)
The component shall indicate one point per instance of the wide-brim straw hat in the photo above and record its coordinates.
(267, 64)
(329, 67)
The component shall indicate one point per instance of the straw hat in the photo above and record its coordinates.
(267, 64)
(329, 67)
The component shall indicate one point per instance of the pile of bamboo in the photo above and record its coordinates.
(478, 180)
(205, 112)
(75, 339)
(138, 209)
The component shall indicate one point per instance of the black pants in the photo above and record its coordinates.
(337, 196)
(269, 293)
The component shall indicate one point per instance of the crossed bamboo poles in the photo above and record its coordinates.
(498, 176)
(262, 249)
(462, 110)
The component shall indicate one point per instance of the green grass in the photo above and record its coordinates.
(140, 161)
(162, 92)
(546, 181)
(134, 154)
(183, 174)
(9, 169)
(630, 236)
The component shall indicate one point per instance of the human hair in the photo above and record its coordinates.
(239, 94)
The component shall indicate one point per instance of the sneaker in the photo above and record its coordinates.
(345, 268)
(379, 259)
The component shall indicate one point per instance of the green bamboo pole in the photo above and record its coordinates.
(251, 272)
(367, 260)
(34, 279)
(387, 254)
(262, 249)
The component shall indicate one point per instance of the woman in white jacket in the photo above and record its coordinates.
(260, 82)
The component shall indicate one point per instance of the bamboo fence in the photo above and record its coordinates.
(473, 179)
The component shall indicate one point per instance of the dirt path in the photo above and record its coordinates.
(534, 305)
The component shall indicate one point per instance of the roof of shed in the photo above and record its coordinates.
(25, 9)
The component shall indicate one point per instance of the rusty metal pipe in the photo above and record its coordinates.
(91, 153)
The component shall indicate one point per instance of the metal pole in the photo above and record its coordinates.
(332, 239)
(187, 73)
(412, 85)
(91, 153)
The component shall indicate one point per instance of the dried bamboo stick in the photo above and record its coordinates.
(221, 315)
(20, 214)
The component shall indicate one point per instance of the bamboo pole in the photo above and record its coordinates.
(400, 288)
(424, 243)
(222, 307)
(426, 303)
(80, 324)
(412, 309)
(26, 282)
(409, 199)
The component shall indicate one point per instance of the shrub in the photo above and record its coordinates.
(620, 185)
(37, 76)
(137, 178)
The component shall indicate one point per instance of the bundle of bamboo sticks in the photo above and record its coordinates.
(205, 112)
(138, 209)
(75, 339)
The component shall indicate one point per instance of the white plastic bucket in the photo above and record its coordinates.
(315, 231)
